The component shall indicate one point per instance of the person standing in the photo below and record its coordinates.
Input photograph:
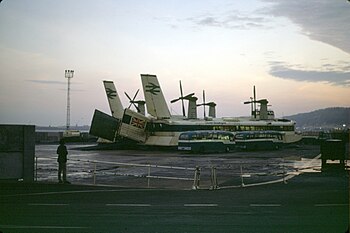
(62, 162)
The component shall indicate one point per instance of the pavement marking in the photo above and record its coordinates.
(39, 227)
(48, 204)
(201, 205)
(265, 205)
(129, 205)
(330, 205)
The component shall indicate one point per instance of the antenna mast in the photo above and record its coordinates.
(68, 74)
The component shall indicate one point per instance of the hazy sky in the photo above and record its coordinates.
(297, 53)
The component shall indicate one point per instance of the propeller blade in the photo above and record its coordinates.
(133, 99)
(183, 108)
(188, 96)
(174, 100)
(181, 93)
(127, 95)
(139, 102)
(262, 101)
(182, 100)
(254, 93)
(204, 104)
(203, 96)
(212, 104)
(137, 108)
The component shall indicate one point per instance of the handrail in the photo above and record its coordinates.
(148, 166)
(135, 164)
(244, 171)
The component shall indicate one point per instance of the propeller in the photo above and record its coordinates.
(203, 104)
(182, 98)
(210, 104)
(262, 101)
(132, 101)
(253, 102)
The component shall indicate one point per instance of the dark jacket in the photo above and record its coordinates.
(62, 154)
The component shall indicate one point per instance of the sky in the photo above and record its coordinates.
(296, 53)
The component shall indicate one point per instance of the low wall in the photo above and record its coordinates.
(17, 149)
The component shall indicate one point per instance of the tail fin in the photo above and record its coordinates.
(192, 108)
(155, 101)
(113, 99)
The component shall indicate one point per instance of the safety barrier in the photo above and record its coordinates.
(205, 177)
(106, 168)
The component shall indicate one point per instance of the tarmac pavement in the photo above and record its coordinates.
(314, 202)
(306, 202)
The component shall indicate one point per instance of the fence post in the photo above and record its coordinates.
(196, 179)
(242, 182)
(94, 173)
(214, 180)
(284, 173)
(149, 176)
(36, 168)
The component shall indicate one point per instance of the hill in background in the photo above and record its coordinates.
(329, 118)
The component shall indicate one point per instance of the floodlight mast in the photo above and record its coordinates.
(68, 74)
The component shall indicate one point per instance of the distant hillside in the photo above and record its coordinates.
(326, 118)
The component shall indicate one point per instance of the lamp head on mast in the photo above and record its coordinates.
(69, 73)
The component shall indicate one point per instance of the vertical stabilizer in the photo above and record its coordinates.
(155, 101)
(113, 99)
(212, 109)
(192, 108)
(263, 109)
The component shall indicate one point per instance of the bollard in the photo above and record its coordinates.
(196, 179)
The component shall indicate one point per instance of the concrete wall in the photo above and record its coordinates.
(17, 150)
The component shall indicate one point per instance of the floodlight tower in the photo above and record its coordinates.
(69, 75)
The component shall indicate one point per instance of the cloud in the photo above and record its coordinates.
(329, 74)
(170, 21)
(47, 82)
(322, 20)
(59, 83)
(209, 21)
(231, 20)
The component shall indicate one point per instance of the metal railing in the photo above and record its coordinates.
(149, 167)
(96, 168)
(215, 176)
(95, 172)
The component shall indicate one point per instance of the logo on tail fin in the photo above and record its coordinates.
(111, 94)
(152, 88)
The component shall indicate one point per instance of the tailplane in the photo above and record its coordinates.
(155, 101)
(113, 99)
